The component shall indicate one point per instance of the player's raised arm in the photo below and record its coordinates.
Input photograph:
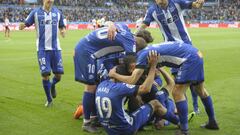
(111, 30)
(198, 4)
(147, 84)
(169, 80)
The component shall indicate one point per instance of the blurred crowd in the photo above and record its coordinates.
(117, 10)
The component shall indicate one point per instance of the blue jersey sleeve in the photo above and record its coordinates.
(158, 80)
(61, 21)
(184, 4)
(126, 38)
(127, 89)
(30, 19)
(148, 16)
(142, 59)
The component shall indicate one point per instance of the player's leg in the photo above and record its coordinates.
(57, 68)
(194, 99)
(182, 105)
(85, 72)
(208, 105)
(8, 32)
(44, 64)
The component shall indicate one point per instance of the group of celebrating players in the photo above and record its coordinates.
(119, 67)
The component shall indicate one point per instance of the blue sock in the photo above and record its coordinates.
(170, 116)
(207, 102)
(47, 86)
(194, 98)
(94, 109)
(55, 80)
(182, 108)
(88, 104)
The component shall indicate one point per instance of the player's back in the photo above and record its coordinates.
(98, 44)
(172, 54)
(110, 98)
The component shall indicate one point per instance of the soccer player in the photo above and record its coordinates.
(169, 16)
(48, 22)
(110, 98)
(190, 63)
(95, 46)
(7, 29)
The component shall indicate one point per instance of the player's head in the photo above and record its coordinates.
(146, 35)
(48, 3)
(122, 70)
(162, 3)
(140, 43)
(130, 62)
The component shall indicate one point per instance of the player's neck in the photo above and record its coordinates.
(47, 8)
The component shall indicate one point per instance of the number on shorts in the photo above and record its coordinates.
(42, 61)
(91, 68)
(104, 106)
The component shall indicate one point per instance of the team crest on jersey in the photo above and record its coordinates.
(130, 86)
(43, 67)
(54, 14)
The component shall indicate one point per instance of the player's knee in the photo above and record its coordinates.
(58, 77)
(90, 88)
(158, 108)
(46, 77)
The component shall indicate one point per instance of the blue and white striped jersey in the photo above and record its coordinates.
(47, 26)
(170, 20)
(172, 54)
(98, 45)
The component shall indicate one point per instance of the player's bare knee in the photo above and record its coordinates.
(90, 88)
(58, 76)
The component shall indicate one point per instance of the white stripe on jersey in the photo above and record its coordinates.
(37, 28)
(154, 14)
(172, 26)
(48, 30)
(126, 116)
(172, 59)
(180, 11)
(58, 42)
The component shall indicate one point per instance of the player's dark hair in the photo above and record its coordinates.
(146, 35)
(129, 59)
(122, 70)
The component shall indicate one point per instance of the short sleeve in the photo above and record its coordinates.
(61, 21)
(142, 59)
(30, 19)
(127, 89)
(148, 16)
(184, 4)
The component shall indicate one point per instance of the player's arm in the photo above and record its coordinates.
(112, 29)
(169, 80)
(136, 74)
(28, 22)
(147, 84)
(198, 4)
(62, 26)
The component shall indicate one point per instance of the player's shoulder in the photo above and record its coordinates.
(55, 9)
(36, 9)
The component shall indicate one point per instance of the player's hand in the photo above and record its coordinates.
(111, 31)
(21, 26)
(153, 58)
(112, 72)
(63, 32)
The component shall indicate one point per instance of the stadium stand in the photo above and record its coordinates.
(116, 10)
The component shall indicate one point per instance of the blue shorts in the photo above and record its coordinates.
(140, 117)
(85, 67)
(191, 72)
(50, 61)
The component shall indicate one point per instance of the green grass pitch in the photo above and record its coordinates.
(22, 98)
